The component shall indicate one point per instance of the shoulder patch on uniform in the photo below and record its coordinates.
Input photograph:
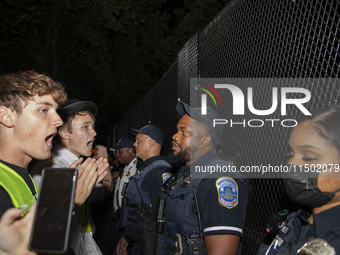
(227, 190)
(166, 176)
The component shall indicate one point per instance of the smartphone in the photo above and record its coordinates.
(52, 219)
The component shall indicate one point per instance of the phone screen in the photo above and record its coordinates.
(53, 216)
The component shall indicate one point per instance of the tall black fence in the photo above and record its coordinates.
(251, 39)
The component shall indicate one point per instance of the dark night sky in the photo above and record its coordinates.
(102, 51)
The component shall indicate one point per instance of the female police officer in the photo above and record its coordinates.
(315, 156)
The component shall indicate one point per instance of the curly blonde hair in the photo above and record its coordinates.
(23, 86)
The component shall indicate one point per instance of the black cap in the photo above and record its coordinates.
(195, 113)
(124, 143)
(75, 105)
(152, 131)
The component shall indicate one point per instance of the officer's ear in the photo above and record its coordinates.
(206, 141)
(63, 133)
(7, 116)
(152, 143)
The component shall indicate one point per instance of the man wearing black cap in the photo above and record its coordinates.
(76, 137)
(143, 192)
(125, 155)
(203, 215)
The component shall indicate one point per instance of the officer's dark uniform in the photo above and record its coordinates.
(222, 205)
(142, 193)
(297, 230)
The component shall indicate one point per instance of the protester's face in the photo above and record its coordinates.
(309, 149)
(82, 137)
(142, 146)
(124, 155)
(34, 129)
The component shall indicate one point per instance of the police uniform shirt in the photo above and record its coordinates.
(154, 179)
(5, 200)
(124, 177)
(218, 218)
(151, 184)
(297, 230)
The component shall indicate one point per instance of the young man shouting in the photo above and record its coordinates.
(28, 123)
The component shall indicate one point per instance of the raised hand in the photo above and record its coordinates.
(101, 152)
(87, 178)
(104, 174)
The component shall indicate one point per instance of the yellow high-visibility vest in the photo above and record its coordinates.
(16, 187)
(87, 225)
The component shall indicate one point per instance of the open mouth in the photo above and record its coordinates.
(90, 144)
(175, 146)
(48, 140)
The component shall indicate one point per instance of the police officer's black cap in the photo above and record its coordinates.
(124, 143)
(195, 113)
(75, 105)
(152, 131)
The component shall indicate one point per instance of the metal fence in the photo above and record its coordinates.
(251, 39)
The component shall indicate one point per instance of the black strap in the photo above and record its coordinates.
(200, 227)
(170, 182)
(117, 194)
(172, 237)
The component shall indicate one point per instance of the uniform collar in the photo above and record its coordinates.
(130, 165)
(153, 159)
(148, 162)
(327, 220)
(203, 160)
(303, 215)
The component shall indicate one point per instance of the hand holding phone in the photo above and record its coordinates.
(15, 231)
(52, 219)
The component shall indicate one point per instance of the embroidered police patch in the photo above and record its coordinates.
(165, 176)
(227, 190)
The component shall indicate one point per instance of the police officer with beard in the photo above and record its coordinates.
(199, 215)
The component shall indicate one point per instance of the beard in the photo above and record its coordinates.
(183, 156)
(179, 159)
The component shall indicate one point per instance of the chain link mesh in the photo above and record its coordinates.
(252, 39)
